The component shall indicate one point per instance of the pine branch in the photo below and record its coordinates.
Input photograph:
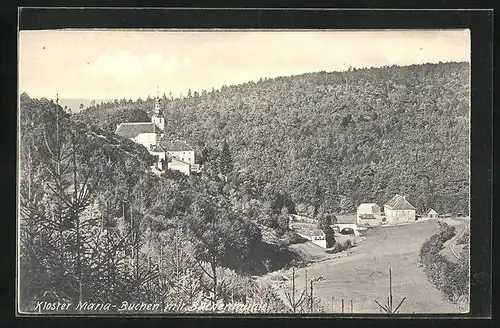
(201, 266)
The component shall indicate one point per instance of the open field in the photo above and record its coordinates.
(363, 275)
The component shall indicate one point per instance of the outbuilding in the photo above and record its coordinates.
(432, 214)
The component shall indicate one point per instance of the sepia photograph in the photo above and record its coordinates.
(187, 171)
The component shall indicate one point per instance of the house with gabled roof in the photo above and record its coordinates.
(399, 210)
(432, 214)
(180, 150)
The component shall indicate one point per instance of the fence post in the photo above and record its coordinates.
(311, 296)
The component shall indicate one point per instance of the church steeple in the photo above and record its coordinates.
(157, 117)
(157, 101)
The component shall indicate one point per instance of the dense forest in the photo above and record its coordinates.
(331, 140)
(98, 225)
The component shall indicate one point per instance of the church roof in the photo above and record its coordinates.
(177, 145)
(158, 149)
(399, 202)
(131, 130)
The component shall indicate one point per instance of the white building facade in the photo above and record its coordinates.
(399, 210)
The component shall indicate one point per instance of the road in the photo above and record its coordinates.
(363, 276)
(463, 226)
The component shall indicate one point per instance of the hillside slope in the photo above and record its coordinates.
(333, 140)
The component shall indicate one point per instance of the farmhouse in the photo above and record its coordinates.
(399, 210)
(369, 214)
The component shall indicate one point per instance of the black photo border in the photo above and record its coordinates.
(480, 23)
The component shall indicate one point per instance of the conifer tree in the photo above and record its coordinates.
(225, 160)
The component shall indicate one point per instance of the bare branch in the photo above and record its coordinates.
(400, 303)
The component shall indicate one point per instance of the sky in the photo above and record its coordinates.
(109, 64)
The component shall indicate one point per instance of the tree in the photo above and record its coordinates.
(206, 224)
(329, 237)
(388, 308)
(225, 160)
(68, 191)
(346, 205)
(283, 221)
(293, 301)
(325, 220)
(68, 185)
(208, 154)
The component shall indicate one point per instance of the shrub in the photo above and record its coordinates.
(340, 247)
(435, 243)
(452, 279)
(431, 246)
(446, 232)
(290, 238)
(329, 236)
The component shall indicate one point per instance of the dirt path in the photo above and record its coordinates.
(453, 241)
(363, 276)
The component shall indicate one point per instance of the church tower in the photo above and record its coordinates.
(157, 117)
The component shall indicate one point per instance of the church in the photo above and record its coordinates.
(177, 154)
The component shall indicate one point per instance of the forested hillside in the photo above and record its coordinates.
(96, 225)
(333, 140)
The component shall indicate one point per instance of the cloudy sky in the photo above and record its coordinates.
(106, 64)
